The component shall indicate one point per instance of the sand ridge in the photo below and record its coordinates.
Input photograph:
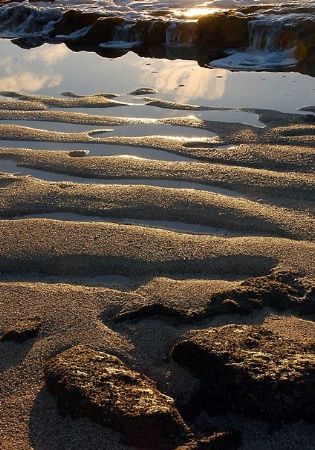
(79, 276)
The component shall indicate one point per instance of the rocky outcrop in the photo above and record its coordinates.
(150, 32)
(224, 30)
(281, 291)
(305, 50)
(265, 371)
(101, 387)
(73, 20)
(219, 31)
(103, 29)
(23, 330)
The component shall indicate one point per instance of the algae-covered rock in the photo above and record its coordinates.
(305, 50)
(102, 388)
(265, 371)
(224, 30)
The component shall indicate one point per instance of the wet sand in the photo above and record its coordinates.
(77, 276)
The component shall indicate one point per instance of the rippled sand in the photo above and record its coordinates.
(77, 275)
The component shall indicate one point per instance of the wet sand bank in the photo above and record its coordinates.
(53, 269)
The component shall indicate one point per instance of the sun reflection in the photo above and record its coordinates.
(201, 11)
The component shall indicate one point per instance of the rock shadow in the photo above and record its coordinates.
(49, 430)
(13, 353)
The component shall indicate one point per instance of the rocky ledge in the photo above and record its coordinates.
(264, 371)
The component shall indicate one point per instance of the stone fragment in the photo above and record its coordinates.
(78, 153)
(102, 388)
(279, 290)
(143, 91)
(23, 330)
(258, 370)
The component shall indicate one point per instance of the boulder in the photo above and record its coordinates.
(224, 30)
(264, 371)
(73, 20)
(102, 388)
(23, 330)
(102, 29)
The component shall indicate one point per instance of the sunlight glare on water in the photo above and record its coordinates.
(199, 11)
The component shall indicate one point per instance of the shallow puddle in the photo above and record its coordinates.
(162, 224)
(12, 167)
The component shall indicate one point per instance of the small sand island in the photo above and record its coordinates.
(119, 330)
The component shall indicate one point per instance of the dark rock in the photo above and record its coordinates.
(279, 290)
(78, 153)
(259, 370)
(224, 30)
(305, 50)
(143, 91)
(153, 309)
(151, 32)
(102, 29)
(101, 387)
(72, 21)
(183, 33)
(308, 305)
(23, 330)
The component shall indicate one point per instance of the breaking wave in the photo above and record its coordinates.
(234, 34)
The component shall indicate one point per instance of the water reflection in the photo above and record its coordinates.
(51, 69)
(49, 56)
(197, 83)
(18, 73)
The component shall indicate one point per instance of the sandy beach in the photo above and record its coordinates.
(133, 289)
(157, 231)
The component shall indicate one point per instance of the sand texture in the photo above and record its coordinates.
(96, 259)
